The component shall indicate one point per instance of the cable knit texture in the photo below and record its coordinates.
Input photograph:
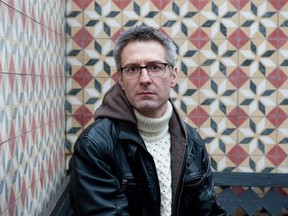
(155, 133)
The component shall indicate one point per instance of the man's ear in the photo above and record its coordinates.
(174, 76)
(120, 80)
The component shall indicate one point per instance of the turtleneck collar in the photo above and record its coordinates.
(153, 129)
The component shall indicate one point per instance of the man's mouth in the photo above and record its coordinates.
(146, 93)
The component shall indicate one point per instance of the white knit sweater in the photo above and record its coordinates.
(155, 133)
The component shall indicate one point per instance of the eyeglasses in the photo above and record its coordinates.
(153, 69)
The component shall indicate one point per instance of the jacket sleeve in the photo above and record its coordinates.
(94, 188)
(217, 209)
(205, 197)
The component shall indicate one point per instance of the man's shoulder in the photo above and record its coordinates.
(193, 136)
(100, 127)
(99, 136)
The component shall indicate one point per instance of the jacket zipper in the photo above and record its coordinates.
(181, 185)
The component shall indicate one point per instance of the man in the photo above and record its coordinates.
(138, 157)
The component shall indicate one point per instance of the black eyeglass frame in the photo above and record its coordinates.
(145, 67)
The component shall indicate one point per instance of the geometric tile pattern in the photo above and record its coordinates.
(233, 77)
(232, 60)
(32, 104)
(232, 86)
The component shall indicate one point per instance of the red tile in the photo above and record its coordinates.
(199, 77)
(83, 77)
(277, 78)
(23, 194)
(199, 38)
(12, 205)
(11, 74)
(239, 4)
(237, 155)
(23, 14)
(199, 4)
(11, 12)
(83, 38)
(198, 116)
(11, 199)
(277, 116)
(83, 115)
(238, 77)
(278, 4)
(278, 38)
(82, 3)
(121, 3)
(33, 129)
(12, 131)
(276, 155)
(12, 145)
(161, 4)
(237, 116)
(238, 38)
(238, 190)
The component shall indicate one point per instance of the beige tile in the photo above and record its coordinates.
(145, 9)
(257, 136)
(258, 58)
(94, 92)
(220, 135)
(218, 58)
(256, 164)
(102, 19)
(184, 96)
(74, 19)
(221, 163)
(179, 19)
(256, 24)
(218, 97)
(187, 58)
(220, 24)
(257, 97)
(98, 58)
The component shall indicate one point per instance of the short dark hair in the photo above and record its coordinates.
(144, 33)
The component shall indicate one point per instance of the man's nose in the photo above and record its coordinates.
(144, 75)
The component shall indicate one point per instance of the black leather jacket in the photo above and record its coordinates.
(112, 173)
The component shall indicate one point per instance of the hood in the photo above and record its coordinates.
(115, 105)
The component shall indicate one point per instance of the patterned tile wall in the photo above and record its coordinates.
(32, 104)
(233, 61)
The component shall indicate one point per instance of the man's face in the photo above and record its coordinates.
(148, 95)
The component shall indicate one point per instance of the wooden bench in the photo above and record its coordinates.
(241, 194)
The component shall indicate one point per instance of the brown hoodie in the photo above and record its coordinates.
(114, 98)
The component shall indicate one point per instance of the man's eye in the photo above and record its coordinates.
(130, 69)
(154, 67)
